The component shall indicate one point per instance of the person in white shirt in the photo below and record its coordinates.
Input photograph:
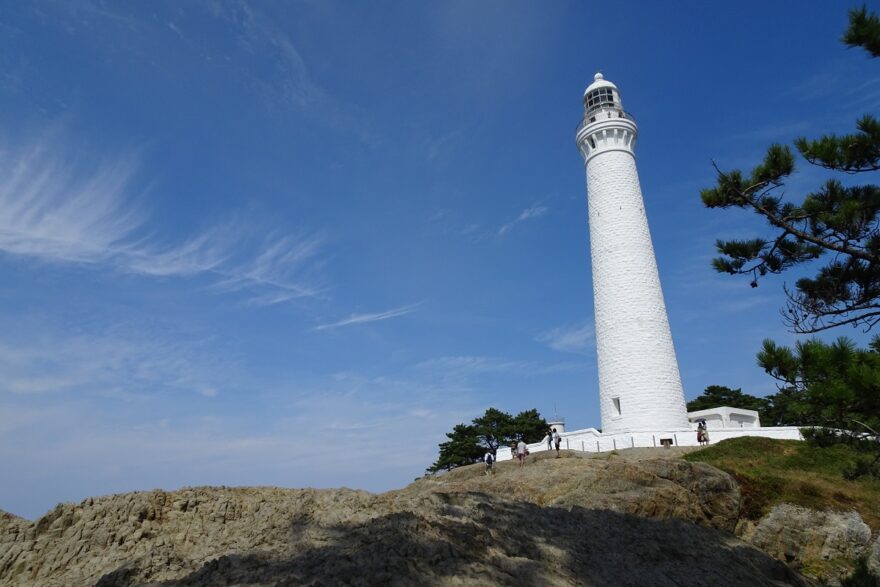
(489, 459)
(556, 440)
(521, 451)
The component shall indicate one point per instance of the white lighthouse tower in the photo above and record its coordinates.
(640, 392)
(639, 383)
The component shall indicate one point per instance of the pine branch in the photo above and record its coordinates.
(863, 31)
(780, 222)
(854, 153)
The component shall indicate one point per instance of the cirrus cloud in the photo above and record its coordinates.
(61, 208)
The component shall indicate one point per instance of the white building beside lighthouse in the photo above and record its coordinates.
(639, 383)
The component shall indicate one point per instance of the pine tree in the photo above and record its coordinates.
(469, 442)
(837, 221)
(461, 449)
(717, 395)
(838, 384)
(834, 387)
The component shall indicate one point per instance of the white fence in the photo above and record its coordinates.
(591, 440)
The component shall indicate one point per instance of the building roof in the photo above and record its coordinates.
(722, 410)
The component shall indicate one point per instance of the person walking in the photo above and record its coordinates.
(489, 459)
(521, 451)
(549, 439)
(557, 440)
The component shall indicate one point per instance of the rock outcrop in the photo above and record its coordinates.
(659, 488)
(568, 521)
(874, 558)
(827, 542)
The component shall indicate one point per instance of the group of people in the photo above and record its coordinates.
(521, 450)
(553, 438)
(702, 433)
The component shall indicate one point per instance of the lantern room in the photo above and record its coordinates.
(601, 94)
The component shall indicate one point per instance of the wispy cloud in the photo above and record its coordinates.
(115, 363)
(783, 131)
(200, 253)
(260, 42)
(363, 318)
(259, 36)
(59, 208)
(248, 40)
(836, 80)
(56, 209)
(269, 273)
(464, 366)
(843, 80)
(576, 339)
(534, 211)
(440, 145)
(729, 301)
(470, 365)
(278, 262)
(98, 447)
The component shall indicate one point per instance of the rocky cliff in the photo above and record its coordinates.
(822, 543)
(577, 520)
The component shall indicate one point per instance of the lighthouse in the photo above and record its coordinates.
(639, 382)
(640, 393)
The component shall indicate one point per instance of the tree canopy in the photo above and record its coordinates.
(837, 221)
(834, 386)
(717, 395)
(468, 442)
(462, 448)
(832, 389)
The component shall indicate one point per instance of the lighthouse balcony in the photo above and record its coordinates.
(606, 134)
(602, 115)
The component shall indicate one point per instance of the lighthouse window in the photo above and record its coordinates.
(616, 402)
(600, 97)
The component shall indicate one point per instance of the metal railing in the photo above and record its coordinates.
(602, 114)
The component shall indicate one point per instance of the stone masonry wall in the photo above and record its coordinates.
(636, 358)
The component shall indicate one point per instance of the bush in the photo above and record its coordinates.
(863, 467)
(861, 576)
(821, 437)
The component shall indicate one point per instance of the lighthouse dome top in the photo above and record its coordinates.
(599, 81)
(601, 94)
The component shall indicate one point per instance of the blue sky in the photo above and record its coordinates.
(295, 243)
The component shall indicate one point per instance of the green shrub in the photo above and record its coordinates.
(861, 576)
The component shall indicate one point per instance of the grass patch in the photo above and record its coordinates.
(770, 472)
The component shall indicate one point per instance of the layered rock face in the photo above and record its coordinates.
(659, 488)
(157, 535)
(874, 558)
(568, 521)
(826, 541)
